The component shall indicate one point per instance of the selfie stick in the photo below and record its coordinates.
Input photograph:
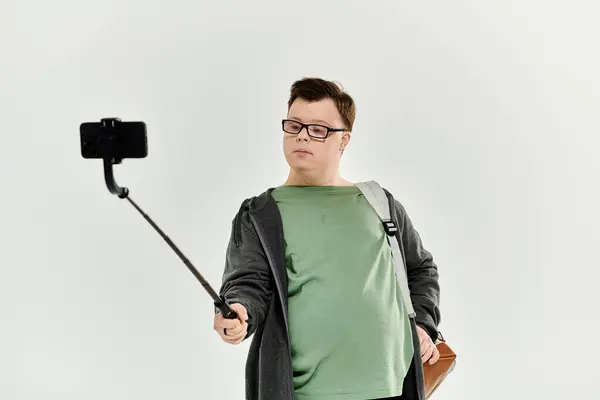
(123, 193)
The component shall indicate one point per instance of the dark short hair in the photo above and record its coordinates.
(315, 89)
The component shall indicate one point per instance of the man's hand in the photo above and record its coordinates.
(236, 328)
(429, 351)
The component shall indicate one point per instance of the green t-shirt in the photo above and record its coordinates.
(350, 334)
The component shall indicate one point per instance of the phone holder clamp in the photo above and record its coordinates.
(113, 124)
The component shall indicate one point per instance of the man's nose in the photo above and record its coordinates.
(303, 134)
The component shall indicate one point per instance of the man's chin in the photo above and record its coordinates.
(299, 162)
(304, 166)
(301, 165)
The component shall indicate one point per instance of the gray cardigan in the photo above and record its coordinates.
(255, 276)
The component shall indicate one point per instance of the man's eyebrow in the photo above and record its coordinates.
(315, 120)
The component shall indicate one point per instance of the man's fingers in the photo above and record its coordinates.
(228, 323)
(425, 347)
(240, 310)
(239, 335)
(235, 339)
(232, 331)
(232, 334)
(435, 356)
(426, 355)
(235, 331)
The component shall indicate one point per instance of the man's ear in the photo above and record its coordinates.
(345, 141)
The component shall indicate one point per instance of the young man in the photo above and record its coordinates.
(310, 274)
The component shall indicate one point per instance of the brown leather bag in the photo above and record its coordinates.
(436, 373)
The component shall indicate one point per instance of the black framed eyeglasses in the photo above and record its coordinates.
(314, 130)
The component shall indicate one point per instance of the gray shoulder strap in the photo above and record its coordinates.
(375, 195)
(377, 198)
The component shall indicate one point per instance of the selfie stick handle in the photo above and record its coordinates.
(123, 193)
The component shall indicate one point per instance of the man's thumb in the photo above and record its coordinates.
(240, 311)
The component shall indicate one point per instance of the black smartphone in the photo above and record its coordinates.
(113, 138)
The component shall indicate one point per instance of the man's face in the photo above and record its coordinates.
(314, 155)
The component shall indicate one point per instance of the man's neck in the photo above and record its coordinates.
(297, 179)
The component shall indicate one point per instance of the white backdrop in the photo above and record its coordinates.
(480, 116)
